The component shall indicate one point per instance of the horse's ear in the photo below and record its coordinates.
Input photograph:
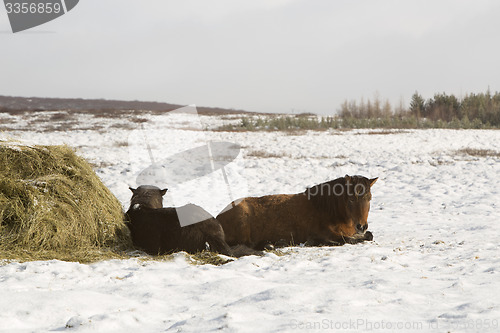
(162, 192)
(132, 189)
(348, 178)
(373, 181)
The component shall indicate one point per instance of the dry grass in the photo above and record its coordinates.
(478, 152)
(295, 132)
(125, 126)
(385, 132)
(139, 120)
(53, 205)
(209, 258)
(199, 258)
(120, 144)
(61, 116)
(101, 165)
(264, 154)
(81, 256)
(63, 127)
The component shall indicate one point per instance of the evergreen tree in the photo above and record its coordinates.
(417, 106)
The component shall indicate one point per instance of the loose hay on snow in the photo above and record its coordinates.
(209, 258)
(52, 204)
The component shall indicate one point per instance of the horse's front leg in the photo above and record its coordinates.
(324, 242)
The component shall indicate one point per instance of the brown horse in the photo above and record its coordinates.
(158, 230)
(331, 213)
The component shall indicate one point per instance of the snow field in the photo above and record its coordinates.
(433, 265)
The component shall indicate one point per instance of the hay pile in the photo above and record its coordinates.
(53, 205)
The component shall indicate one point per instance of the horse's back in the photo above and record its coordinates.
(269, 218)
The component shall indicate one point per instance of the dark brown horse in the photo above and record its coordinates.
(331, 213)
(158, 230)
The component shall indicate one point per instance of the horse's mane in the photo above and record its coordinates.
(326, 196)
(331, 196)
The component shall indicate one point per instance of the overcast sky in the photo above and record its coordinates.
(270, 56)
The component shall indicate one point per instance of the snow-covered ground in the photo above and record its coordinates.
(434, 264)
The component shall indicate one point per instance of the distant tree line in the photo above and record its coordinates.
(472, 111)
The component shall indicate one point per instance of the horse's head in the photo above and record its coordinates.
(147, 196)
(346, 201)
(357, 198)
